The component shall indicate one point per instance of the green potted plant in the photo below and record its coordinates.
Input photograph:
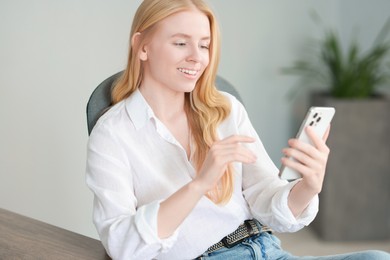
(354, 200)
(352, 74)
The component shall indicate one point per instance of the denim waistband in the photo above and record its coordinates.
(246, 230)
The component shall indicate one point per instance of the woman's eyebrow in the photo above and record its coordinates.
(187, 36)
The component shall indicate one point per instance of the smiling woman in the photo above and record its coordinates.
(177, 53)
(176, 167)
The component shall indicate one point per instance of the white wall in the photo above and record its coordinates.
(54, 53)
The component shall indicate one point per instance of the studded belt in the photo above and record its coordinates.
(247, 229)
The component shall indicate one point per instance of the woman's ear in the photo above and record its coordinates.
(143, 56)
(135, 41)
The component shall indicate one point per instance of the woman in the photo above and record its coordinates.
(176, 166)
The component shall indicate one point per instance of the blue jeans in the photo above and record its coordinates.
(267, 246)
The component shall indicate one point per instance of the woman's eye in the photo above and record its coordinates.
(204, 45)
(180, 43)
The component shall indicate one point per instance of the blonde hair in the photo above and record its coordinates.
(205, 106)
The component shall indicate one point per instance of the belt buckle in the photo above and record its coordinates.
(244, 231)
(228, 244)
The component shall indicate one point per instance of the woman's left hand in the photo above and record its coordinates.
(310, 160)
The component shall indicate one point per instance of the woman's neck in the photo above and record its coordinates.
(165, 103)
(168, 106)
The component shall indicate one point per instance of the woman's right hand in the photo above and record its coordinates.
(219, 156)
(178, 206)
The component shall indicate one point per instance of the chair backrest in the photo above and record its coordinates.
(100, 98)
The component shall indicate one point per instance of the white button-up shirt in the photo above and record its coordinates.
(134, 163)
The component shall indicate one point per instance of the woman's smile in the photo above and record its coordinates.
(189, 72)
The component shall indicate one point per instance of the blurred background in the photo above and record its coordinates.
(54, 53)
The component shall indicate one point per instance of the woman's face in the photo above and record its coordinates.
(178, 52)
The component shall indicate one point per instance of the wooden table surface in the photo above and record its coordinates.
(25, 238)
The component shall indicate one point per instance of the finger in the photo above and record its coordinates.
(304, 147)
(224, 154)
(318, 142)
(238, 154)
(294, 165)
(314, 164)
(326, 135)
(242, 158)
(300, 157)
(228, 146)
(238, 139)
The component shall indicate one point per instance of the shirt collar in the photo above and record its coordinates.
(138, 109)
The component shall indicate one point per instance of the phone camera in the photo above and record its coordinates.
(315, 115)
(311, 123)
(318, 119)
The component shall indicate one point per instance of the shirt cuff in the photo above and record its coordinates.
(284, 214)
(146, 223)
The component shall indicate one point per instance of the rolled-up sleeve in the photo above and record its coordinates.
(126, 230)
(288, 222)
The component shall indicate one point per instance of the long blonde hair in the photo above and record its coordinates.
(205, 106)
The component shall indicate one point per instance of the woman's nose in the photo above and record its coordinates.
(194, 54)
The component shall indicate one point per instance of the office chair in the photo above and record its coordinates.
(100, 98)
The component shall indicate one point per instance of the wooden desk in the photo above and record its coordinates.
(25, 238)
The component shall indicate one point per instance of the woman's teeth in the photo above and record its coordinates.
(187, 71)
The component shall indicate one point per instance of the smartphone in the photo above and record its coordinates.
(317, 117)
